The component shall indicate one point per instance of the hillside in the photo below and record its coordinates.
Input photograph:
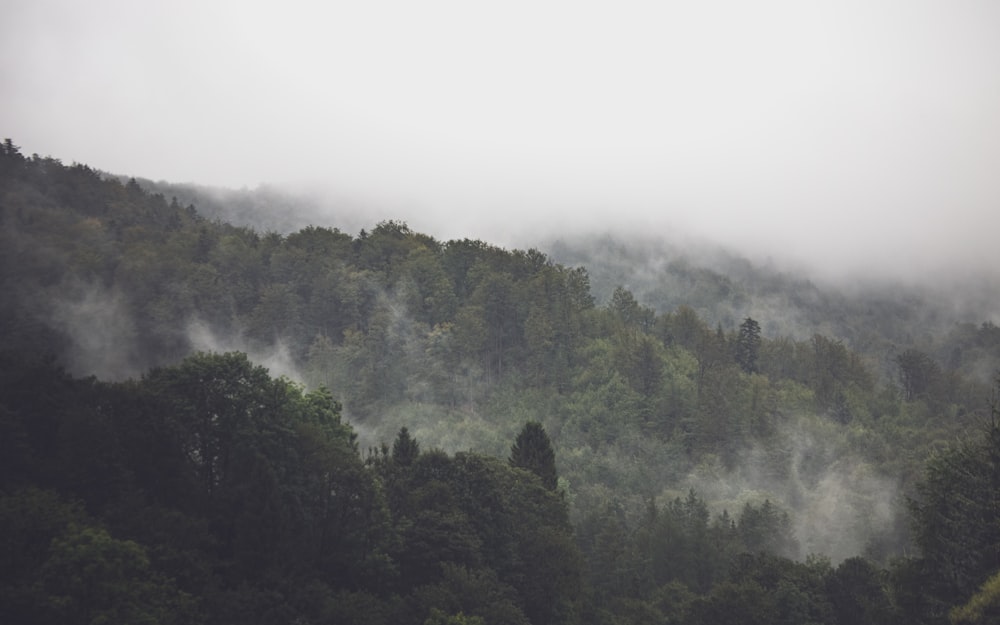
(716, 425)
(879, 317)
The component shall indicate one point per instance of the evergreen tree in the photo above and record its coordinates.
(748, 345)
(405, 448)
(532, 450)
(955, 516)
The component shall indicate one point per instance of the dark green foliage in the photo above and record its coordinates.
(678, 553)
(857, 593)
(62, 566)
(766, 528)
(747, 348)
(918, 374)
(215, 471)
(476, 531)
(834, 369)
(956, 516)
(532, 450)
(681, 545)
(405, 448)
(767, 589)
(209, 491)
(232, 496)
(628, 311)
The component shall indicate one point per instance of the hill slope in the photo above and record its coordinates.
(753, 404)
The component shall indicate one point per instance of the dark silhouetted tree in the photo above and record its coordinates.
(405, 448)
(955, 516)
(532, 450)
(748, 345)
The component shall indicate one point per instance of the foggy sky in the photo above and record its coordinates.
(846, 134)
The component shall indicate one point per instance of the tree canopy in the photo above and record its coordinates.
(451, 431)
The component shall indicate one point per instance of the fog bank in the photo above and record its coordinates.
(857, 138)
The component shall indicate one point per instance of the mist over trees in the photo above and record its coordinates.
(451, 431)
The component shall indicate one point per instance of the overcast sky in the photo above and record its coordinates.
(849, 134)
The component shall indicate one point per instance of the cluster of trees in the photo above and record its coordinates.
(876, 317)
(211, 492)
(266, 508)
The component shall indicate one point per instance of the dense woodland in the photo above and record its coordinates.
(452, 432)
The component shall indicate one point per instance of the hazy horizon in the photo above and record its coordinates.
(853, 138)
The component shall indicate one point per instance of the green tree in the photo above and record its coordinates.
(856, 593)
(628, 310)
(428, 291)
(497, 302)
(553, 328)
(748, 345)
(272, 471)
(434, 527)
(60, 565)
(92, 578)
(405, 448)
(767, 528)
(955, 517)
(532, 450)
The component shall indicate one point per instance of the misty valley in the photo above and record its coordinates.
(219, 407)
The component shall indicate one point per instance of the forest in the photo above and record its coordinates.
(206, 422)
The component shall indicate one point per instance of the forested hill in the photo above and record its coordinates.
(879, 317)
(466, 433)
(876, 316)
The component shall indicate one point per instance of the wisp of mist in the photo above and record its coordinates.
(839, 506)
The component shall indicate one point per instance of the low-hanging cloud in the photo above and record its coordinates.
(853, 136)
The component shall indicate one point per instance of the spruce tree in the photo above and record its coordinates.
(748, 345)
(532, 450)
(405, 448)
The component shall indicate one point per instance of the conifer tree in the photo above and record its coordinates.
(405, 448)
(532, 450)
(748, 345)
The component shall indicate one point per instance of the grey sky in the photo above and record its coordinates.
(848, 134)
